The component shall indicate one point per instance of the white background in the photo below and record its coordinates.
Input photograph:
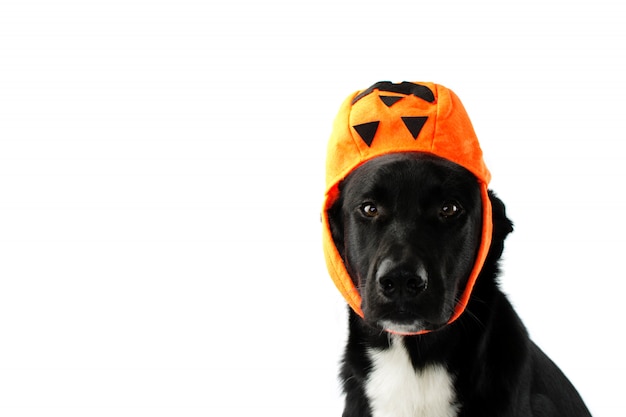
(161, 175)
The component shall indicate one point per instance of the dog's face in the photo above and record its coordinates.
(408, 227)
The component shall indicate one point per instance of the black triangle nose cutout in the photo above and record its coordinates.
(367, 131)
(390, 100)
(414, 124)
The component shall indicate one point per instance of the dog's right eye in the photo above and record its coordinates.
(369, 209)
(450, 209)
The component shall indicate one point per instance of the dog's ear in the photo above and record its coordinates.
(502, 226)
(335, 220)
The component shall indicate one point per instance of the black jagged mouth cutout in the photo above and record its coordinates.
(405, 87)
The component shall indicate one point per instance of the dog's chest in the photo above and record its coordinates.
(395, 389)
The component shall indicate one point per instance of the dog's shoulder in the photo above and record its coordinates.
(553, 393)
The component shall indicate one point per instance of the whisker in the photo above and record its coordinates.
(470, 314)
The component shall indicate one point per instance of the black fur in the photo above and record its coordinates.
(417, 218)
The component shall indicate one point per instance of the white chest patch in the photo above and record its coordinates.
(395, 389)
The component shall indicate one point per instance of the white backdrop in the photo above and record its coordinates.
(161, 175)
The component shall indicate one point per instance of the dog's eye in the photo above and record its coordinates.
(450, 209)
(369, 209)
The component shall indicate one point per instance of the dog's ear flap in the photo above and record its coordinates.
(335, 221)
(502, 226)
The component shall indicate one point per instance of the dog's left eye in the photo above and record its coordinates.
(450, 209)
(369, 209)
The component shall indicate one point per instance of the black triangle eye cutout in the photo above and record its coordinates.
(367, 131)
(414, 124)
(390, 100)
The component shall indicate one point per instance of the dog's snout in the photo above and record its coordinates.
(401, 282)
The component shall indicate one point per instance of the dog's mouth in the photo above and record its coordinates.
(407, 327)
(405, 320)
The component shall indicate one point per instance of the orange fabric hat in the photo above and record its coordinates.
(391, 118)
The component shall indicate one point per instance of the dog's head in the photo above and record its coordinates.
(407, 219)
(408, 228)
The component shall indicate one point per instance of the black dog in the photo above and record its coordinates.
(408, 227)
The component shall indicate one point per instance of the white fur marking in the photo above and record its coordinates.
(395, 389)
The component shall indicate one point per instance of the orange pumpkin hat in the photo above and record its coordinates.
(391, 118)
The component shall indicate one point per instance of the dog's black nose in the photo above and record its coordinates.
(402, 284)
